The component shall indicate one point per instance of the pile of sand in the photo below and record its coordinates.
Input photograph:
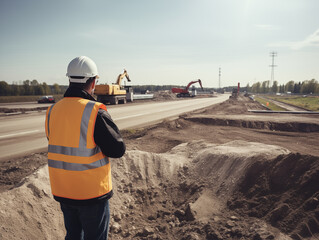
(185, 193)
(29, 212)
(164, 95)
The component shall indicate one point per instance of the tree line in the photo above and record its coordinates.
(305, 87)
(35, 88)
(28, 88)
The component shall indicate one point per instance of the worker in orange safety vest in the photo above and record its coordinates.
(81, 139)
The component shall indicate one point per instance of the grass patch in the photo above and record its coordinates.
(10, 99)
(271, 105)
(309, 102)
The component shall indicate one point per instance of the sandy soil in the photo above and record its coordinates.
(206, 175)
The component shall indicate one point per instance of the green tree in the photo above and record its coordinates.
(15, 90)
(21, 90)
(46, 89)
(248, 88)
(309, 86)
(297, 88)
(38, 90)
(289, 86)
(258, 87)
(274, 87)
(304, 87)
(4, 89)
(255, 88)
(265, 87)
(56, 88)
(28, 90)
(312, 85)
(34, 83)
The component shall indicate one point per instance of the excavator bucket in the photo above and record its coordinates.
(200, 83)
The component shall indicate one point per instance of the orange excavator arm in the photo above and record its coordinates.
(121, 76)
(192, 82)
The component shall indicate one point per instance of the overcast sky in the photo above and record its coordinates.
(161, 42)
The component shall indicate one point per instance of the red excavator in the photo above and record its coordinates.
(184, 92)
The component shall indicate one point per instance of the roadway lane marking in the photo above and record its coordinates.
(20, 133)
(151, 110)
(131, 116)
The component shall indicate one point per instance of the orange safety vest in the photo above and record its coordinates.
(78, 169)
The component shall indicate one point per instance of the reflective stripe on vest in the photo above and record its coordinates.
(77, 166)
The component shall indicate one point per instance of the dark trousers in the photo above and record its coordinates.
(86, 222)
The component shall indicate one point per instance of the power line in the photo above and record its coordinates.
(272, 77)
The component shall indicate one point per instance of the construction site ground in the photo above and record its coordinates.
(216, 173)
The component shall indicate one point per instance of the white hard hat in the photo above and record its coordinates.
(81, 67)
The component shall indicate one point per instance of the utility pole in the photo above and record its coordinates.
(219, 78)
(272, 77)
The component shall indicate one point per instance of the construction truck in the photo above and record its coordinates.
(114, 93)
(184, 92)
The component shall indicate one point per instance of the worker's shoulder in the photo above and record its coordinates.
(103, 113)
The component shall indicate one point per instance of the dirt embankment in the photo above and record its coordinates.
(284, 192)
(187, 180)
(234, 112)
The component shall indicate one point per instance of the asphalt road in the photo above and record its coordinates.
(24, 133)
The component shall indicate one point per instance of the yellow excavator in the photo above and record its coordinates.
(114, 93)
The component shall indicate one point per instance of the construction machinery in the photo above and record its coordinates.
(184, 92)
(235, 92)
(114, 93)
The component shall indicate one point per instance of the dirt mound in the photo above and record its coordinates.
(164, 95)
(284, 192)
(29, 212)
(234, 106)
(224, 165)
